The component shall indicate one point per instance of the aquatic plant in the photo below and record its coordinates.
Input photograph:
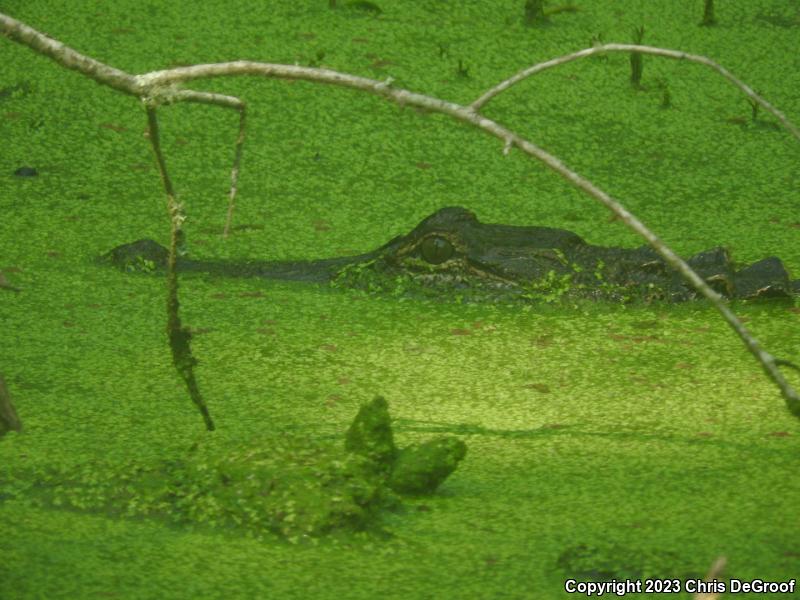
(708, 14)
(8, 414)
(534, 12)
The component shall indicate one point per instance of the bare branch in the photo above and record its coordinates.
(160, 87)
(67, 57)
(674, 54)
(165, 96)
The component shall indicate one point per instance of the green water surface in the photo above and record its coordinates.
(606, 441)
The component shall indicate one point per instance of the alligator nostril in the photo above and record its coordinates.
(436, 249)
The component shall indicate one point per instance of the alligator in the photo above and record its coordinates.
(452, 254)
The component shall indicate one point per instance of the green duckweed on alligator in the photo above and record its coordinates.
(452, 254)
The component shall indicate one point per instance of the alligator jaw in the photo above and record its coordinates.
(147, 255)
(314, 271)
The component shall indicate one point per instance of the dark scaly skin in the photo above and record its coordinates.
(451, 253)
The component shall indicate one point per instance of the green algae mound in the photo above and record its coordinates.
(291, 486)
(416, 469)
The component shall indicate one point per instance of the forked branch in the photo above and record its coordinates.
(673, 54)
(161, 87)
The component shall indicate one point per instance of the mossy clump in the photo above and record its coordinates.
(370, 435)
(608, 560)
(534, 12)
(295, 487)
(416, 469)
(421, 468)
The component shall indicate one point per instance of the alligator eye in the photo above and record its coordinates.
(436, 249)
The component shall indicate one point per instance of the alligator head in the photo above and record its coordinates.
(451, 253)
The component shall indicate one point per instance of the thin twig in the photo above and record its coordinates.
(235, 171)
(179, 336)
(715, 572)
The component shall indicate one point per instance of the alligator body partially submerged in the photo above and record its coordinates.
(450, 253)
